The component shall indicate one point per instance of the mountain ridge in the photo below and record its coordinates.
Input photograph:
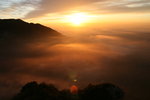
(20, 28)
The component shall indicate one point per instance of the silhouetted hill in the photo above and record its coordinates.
(22, 39)
(42, 91)
(16, 28)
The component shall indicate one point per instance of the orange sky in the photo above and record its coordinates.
(97, 13)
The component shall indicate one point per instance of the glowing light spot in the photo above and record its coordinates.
(75, 80)
(74, 89)
(77, 18)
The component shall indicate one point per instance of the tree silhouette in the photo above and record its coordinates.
(35, 91)
(65, 95)
(102, 92)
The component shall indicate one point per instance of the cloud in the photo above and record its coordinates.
(121, 57)
(32, 9)
(17, 8)
(51, 6)
(92, 6)
(118, 6)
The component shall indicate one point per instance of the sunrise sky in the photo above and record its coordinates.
(60, 14)
(104, 41)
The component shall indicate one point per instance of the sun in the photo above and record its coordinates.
(77, 18)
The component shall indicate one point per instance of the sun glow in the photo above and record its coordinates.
(77, 18)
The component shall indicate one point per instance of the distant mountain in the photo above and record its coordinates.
(19, 38)
(17, 28)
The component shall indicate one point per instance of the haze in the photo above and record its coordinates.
(105, 41)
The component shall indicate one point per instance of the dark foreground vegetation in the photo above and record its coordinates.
(35, 91)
